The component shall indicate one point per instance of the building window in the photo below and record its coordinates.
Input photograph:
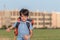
(40, 23)
(38, 14)
(34, 18)
(12, 23)
(31, 14)
(48, 18)
(48, 14)
(35, 14)
(35, 23)
(12, 18)
(48, 23)
(14, 13)
(40, 18)
(0, 14)
(17, 14)
(11, 13)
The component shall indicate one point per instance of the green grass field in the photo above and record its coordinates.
(38, 34)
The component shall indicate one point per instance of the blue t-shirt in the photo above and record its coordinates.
(23, 29)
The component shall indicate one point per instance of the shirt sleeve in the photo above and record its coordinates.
(14, 25)
(31, 27)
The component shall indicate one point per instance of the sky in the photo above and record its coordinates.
(33, 5)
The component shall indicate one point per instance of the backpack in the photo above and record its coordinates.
(18, 22)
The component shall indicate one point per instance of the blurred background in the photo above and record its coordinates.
(45, 13)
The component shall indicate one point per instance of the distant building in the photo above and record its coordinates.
(41, 19)
(56, 19)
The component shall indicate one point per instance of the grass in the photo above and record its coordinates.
(38, 34)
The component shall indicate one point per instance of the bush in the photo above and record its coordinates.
(9, 26)
(4, 27)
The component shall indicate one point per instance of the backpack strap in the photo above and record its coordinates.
(28, 26)
(17, 24)
(30, 20)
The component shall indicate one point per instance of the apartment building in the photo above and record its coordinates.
(56, 19)
(41, 19)
(14, 16)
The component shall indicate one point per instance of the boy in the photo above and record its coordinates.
(23, 32)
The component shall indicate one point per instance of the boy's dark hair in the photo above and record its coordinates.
(25, 12)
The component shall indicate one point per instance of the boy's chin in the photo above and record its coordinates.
(24, 20)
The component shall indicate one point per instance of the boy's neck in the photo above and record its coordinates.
(23, 21)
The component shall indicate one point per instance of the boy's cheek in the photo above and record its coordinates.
(23, 19)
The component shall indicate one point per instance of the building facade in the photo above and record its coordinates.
(41, 19)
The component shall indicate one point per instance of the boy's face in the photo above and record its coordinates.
(23, 18)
